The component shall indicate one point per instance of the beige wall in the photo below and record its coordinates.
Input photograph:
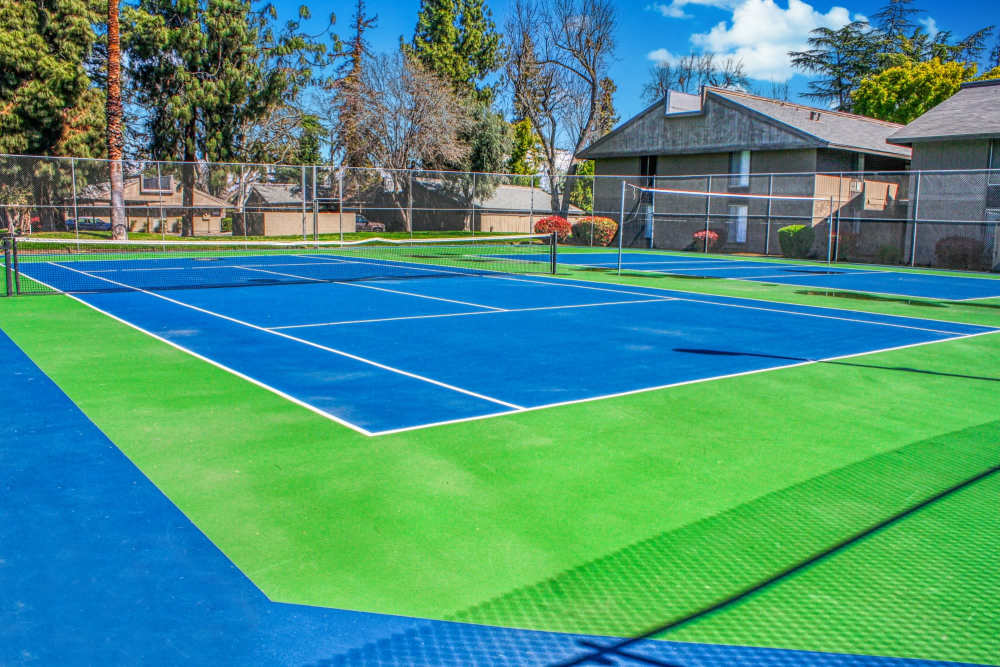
(289, 223)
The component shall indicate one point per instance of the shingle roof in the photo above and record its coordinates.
(278, 193)
(835, 128)
(971, 113)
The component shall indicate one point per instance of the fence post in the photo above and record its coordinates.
(159, 198)
(409, 201)
(8, 265)
(315, 201)
(76, 214)
(708, 209)
(340, 201)
(829, 233)
(472, 213)
(767, 228)
(241, 209)
(303, 202)
(531, 205)
(621, 229)
(916, 213)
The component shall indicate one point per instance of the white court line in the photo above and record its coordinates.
(380, 289)
(233, 371)
(303, 341)
(476, 312)
(743, 298)
(643, 390)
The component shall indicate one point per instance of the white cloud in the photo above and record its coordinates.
(662, 56)
(930, 25)
(762, 33)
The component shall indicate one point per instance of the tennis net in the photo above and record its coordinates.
(46, 265)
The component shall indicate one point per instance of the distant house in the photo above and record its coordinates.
(735, 141)
(276, 209)
(152, 204)
(963, 132)
(513, 208)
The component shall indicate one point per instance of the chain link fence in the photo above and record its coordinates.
(944, 219)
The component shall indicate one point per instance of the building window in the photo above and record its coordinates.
(739, 168)
(738, 223)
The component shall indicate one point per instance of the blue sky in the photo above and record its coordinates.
(761, 32)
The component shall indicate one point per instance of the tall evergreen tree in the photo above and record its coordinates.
(841, 58)
(48, 103)
(457, 40)
(203, 69)
(348, 104)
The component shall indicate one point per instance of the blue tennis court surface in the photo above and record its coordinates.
(98, 567)
(832, 276)
(408, 352)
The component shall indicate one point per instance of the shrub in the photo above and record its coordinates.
(554, 223)
(601, 230)
(699, 240)
(889, 254)
(227, 224)
(959, 252)
(796, 240)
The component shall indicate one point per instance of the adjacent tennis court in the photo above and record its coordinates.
(462, 451)
(929, 285)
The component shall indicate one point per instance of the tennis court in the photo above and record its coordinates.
(473, 452)
(928, 285)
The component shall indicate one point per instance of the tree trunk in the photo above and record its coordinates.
(187, 181)
(113, 112)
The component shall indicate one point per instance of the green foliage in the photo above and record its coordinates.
(594, 230)
(47, 103)
(311, 137)
(889, 254)
(796, 240)
(458, 41)
(900, 94)
(581, 192)
(841, 58)
(960, 252)
(525, 149)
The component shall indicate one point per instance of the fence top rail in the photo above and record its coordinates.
(533, 177)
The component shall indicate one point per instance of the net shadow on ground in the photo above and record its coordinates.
(669, 579)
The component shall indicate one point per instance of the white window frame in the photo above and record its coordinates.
(738, 216)
(740, 175)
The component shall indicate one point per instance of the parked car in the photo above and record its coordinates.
(363, 224)
(88, 224)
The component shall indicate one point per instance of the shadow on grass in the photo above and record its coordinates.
(904, 369)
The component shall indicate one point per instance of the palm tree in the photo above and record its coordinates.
(113, 112)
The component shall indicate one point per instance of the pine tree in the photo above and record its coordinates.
(205, 69)
(457, 40)
(842, 58)
(348, 105)
(48, 103)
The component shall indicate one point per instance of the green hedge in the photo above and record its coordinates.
(796, 240)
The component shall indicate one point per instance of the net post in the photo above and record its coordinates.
(916, 210)
(17, 266)
(553, 241)
(7, 266)
(621, 228)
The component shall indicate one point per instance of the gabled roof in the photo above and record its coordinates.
(971, 113)
(835, 128)
(133, 194)
(277, 193)
(805, 126)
